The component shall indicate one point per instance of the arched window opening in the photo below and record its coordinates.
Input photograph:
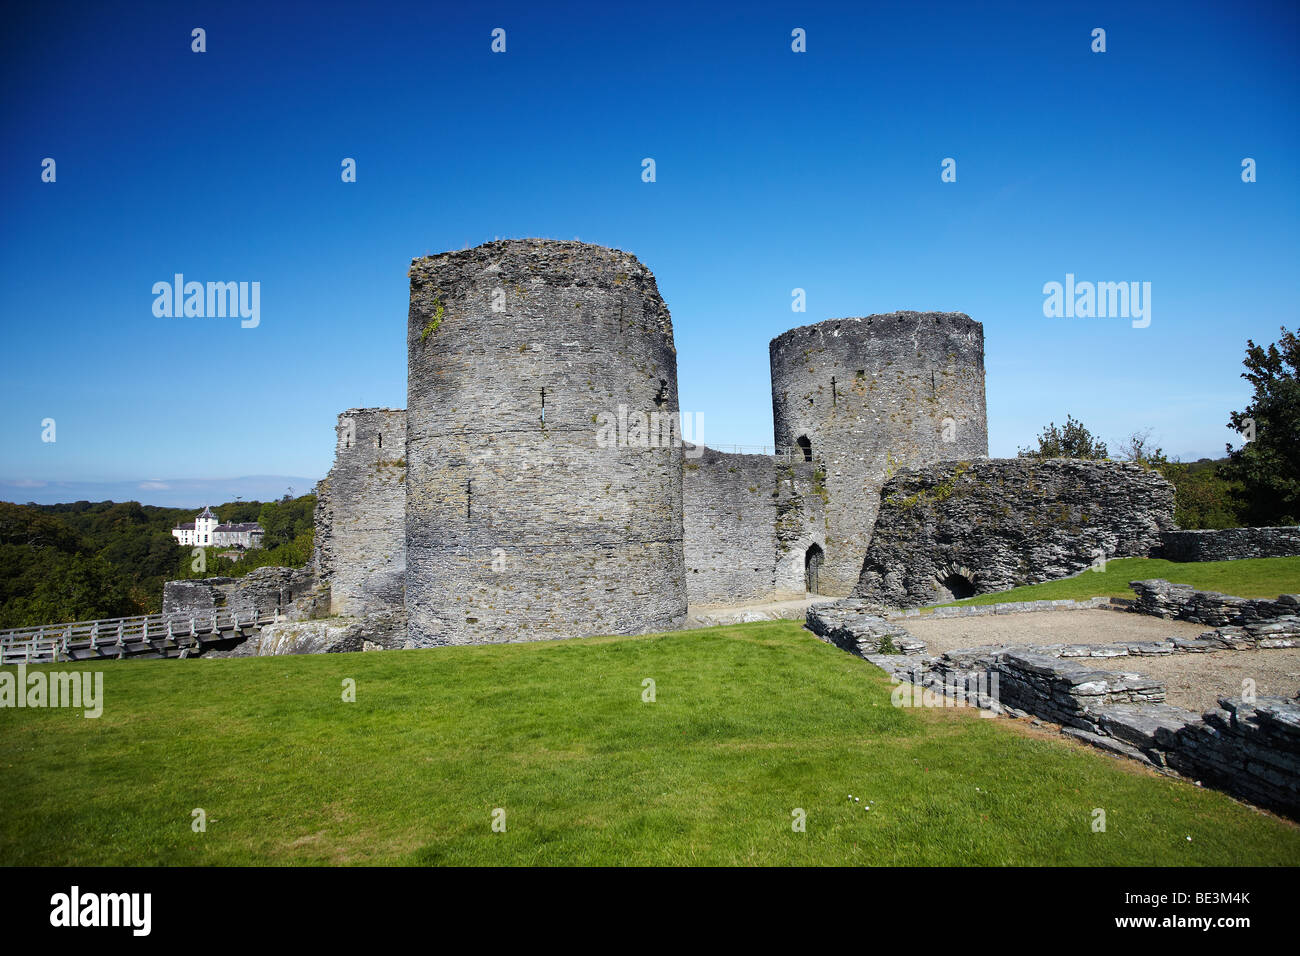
(805, 446)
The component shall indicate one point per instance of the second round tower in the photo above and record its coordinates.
(863, 397)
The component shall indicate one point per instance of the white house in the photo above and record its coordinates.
(206, 531)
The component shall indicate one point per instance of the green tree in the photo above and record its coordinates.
(1203, 497)
(1139, 448)
(1267, 465)
(77, 588)
(1072, 441)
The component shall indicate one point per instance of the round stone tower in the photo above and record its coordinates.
(544, 462)
(863, 397)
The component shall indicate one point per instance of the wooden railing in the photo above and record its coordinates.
(150, 635)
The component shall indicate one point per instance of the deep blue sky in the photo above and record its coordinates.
(776, 170)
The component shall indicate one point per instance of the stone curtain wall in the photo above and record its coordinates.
(1231, 544)
(749, 521)
(994, 524)
(360, 547)
(199, 596)
(519, 525)
(898, 379)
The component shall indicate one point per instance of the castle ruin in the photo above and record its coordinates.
(523, 521)
(536, 485)
(865, 397)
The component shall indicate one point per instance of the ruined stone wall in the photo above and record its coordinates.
(1249, 748)
(198, 596)
(537, 507)
(1181, 602)
(907, 389)
(360, 519)
(261, 592)
(749, 521)
(971, 527)
(1231, 544)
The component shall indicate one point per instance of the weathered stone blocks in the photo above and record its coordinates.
(749, 522)
(544, 468)
(870, 395)
(360, 516)
(1181, 602)
(970, 527)
(263, 591)
(1230, 544)
(852, 626)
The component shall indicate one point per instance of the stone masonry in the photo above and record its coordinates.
(1230, 544)
(749, 523)
(961, 528)
(1181, 602)
(867, 396)
(544, 463)
(1248, 748)
(291, 592)
(361, 514)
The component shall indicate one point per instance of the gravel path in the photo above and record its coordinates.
(1095, 626)
(1197, 681)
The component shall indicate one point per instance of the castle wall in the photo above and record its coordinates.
(537, 506)
(1231, 544)
(993, 524)
(748, 520)
(907, 389)
(263, 591)
(360, 515)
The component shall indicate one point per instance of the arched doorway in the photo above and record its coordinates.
(812, 563)
(959, 586)
(805, 447)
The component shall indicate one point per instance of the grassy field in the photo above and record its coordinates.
(749, 722)
(1252, 577)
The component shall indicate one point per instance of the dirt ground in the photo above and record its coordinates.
(1193, 681)
(1093, 626)
(1197, 681)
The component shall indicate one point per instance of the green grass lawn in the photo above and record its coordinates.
(751, 721)
(1251, 578)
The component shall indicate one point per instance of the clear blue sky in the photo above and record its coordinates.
(775, 170)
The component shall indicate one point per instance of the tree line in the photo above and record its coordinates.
(1255, 485)
(86, 560)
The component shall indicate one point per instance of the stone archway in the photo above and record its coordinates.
(953, 582)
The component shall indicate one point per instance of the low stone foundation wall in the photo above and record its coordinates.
(1182, 603)
(1250, 749)
(1230, 544)
(1009, 607)
(851, 626)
